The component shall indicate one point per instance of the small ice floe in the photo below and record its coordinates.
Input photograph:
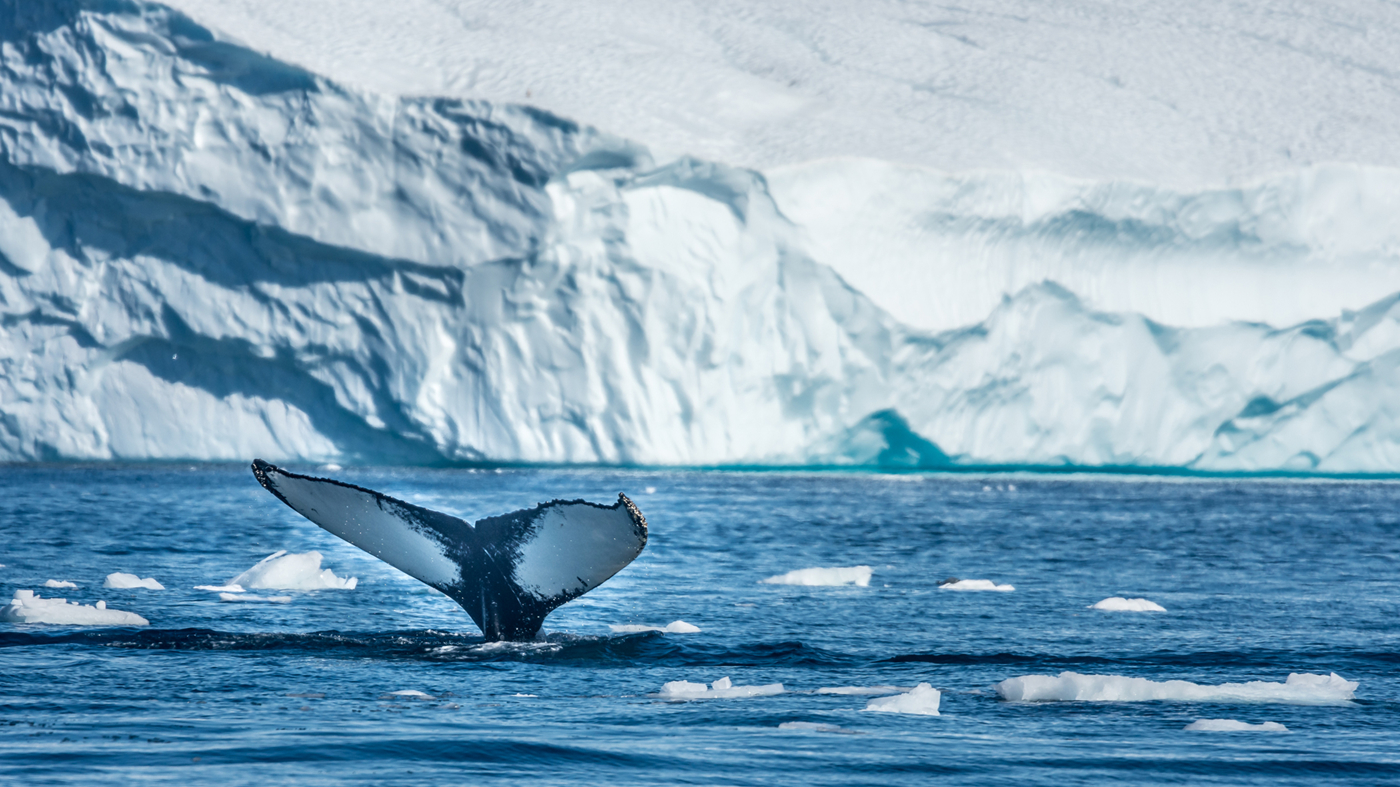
(27, 607)
(54, 583)
(1119, 604)
(922, 700)
(674, 627)
(953, 583)
(330, 467)
(810, 726)
(1300, 689)
(1230, 725)
(721, 689)
(120, 581)
(862, 690)
(221, 588)
(302, 571)
(252, 599)
(407, 694)
(651, 490)
(525, 695)
(823, 577)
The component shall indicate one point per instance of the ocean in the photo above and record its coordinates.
(1259, 578)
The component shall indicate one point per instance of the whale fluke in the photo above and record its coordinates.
(508, 572)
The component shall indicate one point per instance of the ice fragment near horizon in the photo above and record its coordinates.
(1231, 725)
(723, 688)
(298, 571)
(674, 627)
(823, 577)
(54, 583)
(221, 588)
(922, 700)
(118, 580)
(975, 585)
(28, 607)
(1299, 689)
(1120, 604)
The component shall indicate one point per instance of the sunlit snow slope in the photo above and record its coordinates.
(209, 253)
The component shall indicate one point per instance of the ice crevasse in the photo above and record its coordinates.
(300, 270)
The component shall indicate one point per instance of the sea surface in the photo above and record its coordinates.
(1259, 579)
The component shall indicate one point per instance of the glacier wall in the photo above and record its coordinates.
(207, 253)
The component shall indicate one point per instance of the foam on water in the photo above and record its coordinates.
(300, 571)
(250, 598)
(28, 607)
(54, 583)
(121, 581)
(823, 577)
(1119, 604)
(674, 627)
(922, 700)
(1299, 689)
(1231, 725)
(974, 584)
(720, 689)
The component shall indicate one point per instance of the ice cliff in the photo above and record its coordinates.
(207, 253)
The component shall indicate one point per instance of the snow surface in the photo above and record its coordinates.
(1183, 270)
(301, 571)
(823, 577)
(922, 700)
(1231, 725)
(674, 627)
(54, 583)
(123, 581)
(720, 689)
(1120, 604)
(28, 607)
(1299, 689)
(976, 585)
(1192, 92)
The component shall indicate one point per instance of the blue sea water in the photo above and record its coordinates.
(1260, 578)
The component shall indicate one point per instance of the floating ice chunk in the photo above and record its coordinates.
(302, 571)
(1119, 604)
(54, 583)
(811, 726)
(329, 467)
(525, 695)
(407, 694)
(922, 700)
(674, 627)
(119, 581)
(1230, 725)
(1300, 689)
(249, 597)
(862, 690)
(823, 577)
(974, 584)
(221, 588)
(720, 689)
(27, 607)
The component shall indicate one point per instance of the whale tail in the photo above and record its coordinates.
(508, 572)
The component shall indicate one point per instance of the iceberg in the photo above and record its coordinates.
(720, 689)
(193, 232)
(1120, 604)
(965, 585)
(823, 577)
(922, 700)
(55, 583)
(123, 581)
(28, 607)
(281, 571)
(674, 627)
(1299, 689)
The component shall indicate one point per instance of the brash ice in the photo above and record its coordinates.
(508, 572)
